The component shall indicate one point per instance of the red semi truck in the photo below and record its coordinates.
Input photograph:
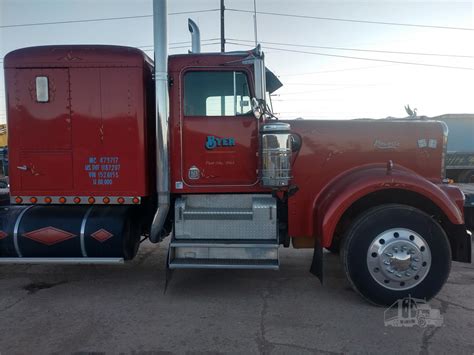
(108, 146)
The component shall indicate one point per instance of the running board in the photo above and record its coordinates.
(62, 261)
(223, 243)
(225, 231)
(182, 263)
(223, 253)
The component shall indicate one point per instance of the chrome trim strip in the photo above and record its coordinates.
(15, 231)
(235, 92)
(103, 261)
(177, 265)
(83, 229)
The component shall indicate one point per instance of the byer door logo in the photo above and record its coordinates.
(213, 142)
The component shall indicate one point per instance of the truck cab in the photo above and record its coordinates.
(109, 148)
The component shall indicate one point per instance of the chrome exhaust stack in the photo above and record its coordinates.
(195, 36)
(160, 39)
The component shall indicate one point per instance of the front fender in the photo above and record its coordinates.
(349, 187)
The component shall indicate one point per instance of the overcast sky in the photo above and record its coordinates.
(316, 86)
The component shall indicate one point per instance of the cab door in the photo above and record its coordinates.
(219, 136)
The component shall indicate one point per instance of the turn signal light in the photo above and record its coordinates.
(77, 200)
(18, 199)
(106, 200)
(33, 199)
(62, 200)
(121, 200)
(91, 200)
(48, 200)
(136, 200)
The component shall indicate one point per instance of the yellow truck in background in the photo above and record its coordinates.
(3, 156)
(3, 135)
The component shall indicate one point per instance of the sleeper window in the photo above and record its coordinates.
(42, 89)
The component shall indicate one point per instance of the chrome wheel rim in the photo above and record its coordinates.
(399, 259)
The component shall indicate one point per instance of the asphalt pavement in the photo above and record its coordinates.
(85, 309)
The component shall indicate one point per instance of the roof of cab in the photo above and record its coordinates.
(76, 56)
(177, 61)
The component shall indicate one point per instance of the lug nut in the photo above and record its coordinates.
(388, 254)
(414, 268)
(398, 275)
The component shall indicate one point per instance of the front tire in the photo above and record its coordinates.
(394, 251)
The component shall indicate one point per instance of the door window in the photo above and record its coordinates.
(216, 93)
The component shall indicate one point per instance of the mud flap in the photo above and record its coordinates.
(168, 272)
(460, 240)
(317, 264)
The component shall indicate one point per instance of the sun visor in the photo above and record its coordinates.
(273, 83)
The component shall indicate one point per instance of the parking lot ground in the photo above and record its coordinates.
(122, 309)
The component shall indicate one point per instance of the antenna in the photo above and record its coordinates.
(255, 20)
(222, 27)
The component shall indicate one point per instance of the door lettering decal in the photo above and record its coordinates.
(213, 142)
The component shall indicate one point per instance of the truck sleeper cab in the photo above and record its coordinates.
(226, 181)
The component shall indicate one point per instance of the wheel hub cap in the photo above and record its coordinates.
(398, 259)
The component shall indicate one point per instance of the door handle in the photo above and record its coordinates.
(22, 167)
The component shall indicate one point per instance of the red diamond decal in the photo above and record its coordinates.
(102, 235)
(49, 235)
(3, 235)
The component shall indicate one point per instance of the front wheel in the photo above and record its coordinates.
(394, 251)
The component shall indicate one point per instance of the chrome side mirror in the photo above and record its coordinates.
(258, 108)
(259, 73)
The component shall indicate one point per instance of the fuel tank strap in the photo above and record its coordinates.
(15, 231)
(83, 228)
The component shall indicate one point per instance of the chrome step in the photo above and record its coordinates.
(249, 216)
(217, 214)
(223, 243)
(223, 253)
(225, 231)
(222, 249)
(181, 263)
